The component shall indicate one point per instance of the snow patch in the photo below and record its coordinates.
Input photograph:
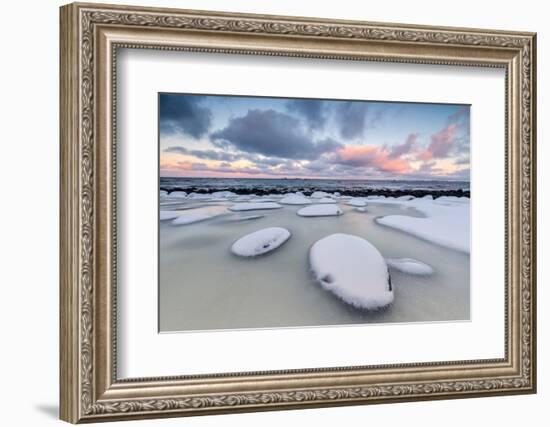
(260, 242)
(295, 199)
(320, 210)
(410, 266)
(319, 194)
(353, 269)
(254, 206)
(446, 223)
(186, 219)
(357, 202)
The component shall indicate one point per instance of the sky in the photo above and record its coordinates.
(262, 137)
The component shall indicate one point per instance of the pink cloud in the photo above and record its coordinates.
(441, 144)
(405, 148)
(372, 156)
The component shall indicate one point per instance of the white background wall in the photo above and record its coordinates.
(29, 170)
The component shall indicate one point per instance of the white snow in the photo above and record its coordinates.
(295, 199)
(353, 269)
(446, 223)
(358, 202)
(177, 194)
(407, 197)
(409, 265)
(243, 198)
(260, 242)
(254, 206)
(186, 219)
(319, 194)
(264, 200)
(320, 210)
(361, 209)
(223, 194)
(325, 200)
(198, 196)
(163, 193)
(166, 215)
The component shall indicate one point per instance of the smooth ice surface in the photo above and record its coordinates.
(353, 269)
(260, 242)
(186, 219)
(409, 265)
(203, 286)
(166, 215)
(252, 206)
(320, 210)
(446, 222)
(325, 200)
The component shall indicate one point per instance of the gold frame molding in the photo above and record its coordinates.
(90, 37)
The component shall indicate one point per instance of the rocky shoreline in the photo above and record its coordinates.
(352, 192)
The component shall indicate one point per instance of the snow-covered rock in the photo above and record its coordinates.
(361, 209)
(186, 219)
(198, 196)
(260, 242)
(410, 266)
(319, 194)
(407, 197)
(357, 202)
(353, 269)
(295, 199)
(177, 194)
(166, 215)
(163, 193)
(252, 206)
(320, 210)
(223, 194)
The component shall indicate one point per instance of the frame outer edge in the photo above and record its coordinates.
(69, 220)
(77, 339)
(533, 206)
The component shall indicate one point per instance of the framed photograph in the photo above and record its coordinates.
(266, 212)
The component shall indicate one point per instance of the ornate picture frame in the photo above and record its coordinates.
(90, 37)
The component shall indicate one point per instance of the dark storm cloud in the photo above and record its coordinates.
(183, 114)
(351, 118)
(312, 110)
(272, 134)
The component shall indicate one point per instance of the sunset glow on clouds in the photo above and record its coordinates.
(255, 137)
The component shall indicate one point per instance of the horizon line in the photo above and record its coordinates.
(319, 179)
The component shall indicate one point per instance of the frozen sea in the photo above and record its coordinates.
(203, 286)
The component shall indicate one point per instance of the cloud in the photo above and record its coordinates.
(371, 156)
(204, 154)
(272, 134)
(405, 148)
(462, 161)
(312, 110)
(183, 114)
(441, 145)
(351, 118)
